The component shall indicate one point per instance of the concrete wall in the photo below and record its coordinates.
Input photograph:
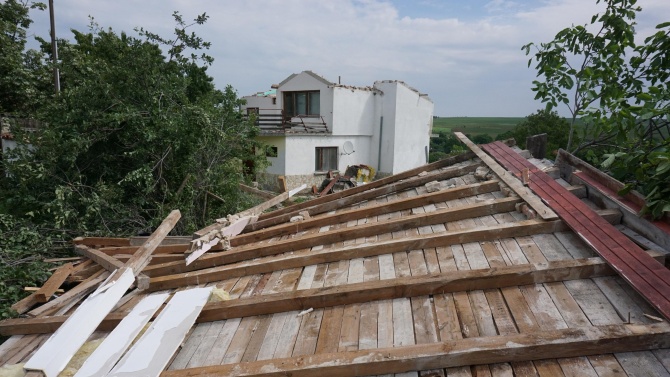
(277, 164)
(261, 102)
(301, 152)
(353, 111)
(387, 126)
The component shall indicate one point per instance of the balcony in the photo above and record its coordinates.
(274, 121)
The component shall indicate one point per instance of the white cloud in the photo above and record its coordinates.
(469, 66)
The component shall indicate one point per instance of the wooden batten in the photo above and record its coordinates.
(372, 210)
(257, 251)
(455, 281)
(364, 195)
(511, 181)
(538, 345)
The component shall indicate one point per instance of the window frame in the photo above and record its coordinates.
(290, 98)
(319, 158)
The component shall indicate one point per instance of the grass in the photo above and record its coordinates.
(475, 125)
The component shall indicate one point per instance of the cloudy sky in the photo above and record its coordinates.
(465, 54)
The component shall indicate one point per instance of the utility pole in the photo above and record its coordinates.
(54, 47)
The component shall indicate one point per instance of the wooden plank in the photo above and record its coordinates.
(298, 259)
(141, 257)
(372, 185)
(650, 278)
(504, 348)
(54, 355)
(257, 192)
(511, 181)
(107, 262)
(101, 361)
(278, 217)
(101, 241)
(74, 294)
(152, 352)
(293, 244)
(201, 245)
(54, 282)
(367, 211)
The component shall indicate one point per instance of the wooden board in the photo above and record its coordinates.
(483, 350)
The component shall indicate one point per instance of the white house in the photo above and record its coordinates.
(313, 125)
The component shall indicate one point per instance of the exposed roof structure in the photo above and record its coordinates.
(469, 266)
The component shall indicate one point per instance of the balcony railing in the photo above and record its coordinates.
(274, 121)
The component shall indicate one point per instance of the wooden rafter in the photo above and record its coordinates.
(372, 185)
(455, 281)
(257, 251)
(571, 342)
(511, 181)
(368, 194)
(371, 210)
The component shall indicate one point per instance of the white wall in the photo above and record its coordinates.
(301, 152)
(408, 118)
(277, 164)
(261, 102)
(353, 111)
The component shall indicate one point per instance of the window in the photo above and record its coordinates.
(252, 110)
(326, 158)
(302, 103)
(271, 151)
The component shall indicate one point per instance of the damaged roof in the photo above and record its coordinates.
(464, 267)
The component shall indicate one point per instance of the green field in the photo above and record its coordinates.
(475, 125)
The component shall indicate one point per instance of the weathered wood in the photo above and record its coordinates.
(167, 241)
(473, 351)
(256, 251)
(54, 282)
(537, 145)
(372, 185)
(107, 262)
(101, 241)
(203, 244)
(511, 181)
(298, 259)
(360, 196)
(257, 192)
(76, 293)
(165, 249)
(401, 287)
(141, 257)
(367, 211)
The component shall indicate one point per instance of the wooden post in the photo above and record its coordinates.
(537, 145)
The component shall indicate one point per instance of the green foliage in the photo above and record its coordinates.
(132, 135)
(20, 265)
(621, 92)
(543, 121)
(19, 83)
(491, 126)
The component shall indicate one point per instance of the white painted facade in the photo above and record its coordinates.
(389, 125)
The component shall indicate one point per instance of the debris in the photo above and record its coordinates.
(433, 186)
(302, 313)
(654, 318)
(296, 219)
(423, 173)
(481, 173)
(78, 359)
(219, 295)
(15, 370)
(305, 215)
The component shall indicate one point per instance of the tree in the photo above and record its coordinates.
(620, 92)
(543, 121)
(132, 135)
(19, 80)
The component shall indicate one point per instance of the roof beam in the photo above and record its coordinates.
(372, 210)
(372, 185)
(453, 281)
(367, 194)
(261, 250)
(511, 181)
(570, 342)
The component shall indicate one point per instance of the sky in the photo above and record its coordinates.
(466, 55)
